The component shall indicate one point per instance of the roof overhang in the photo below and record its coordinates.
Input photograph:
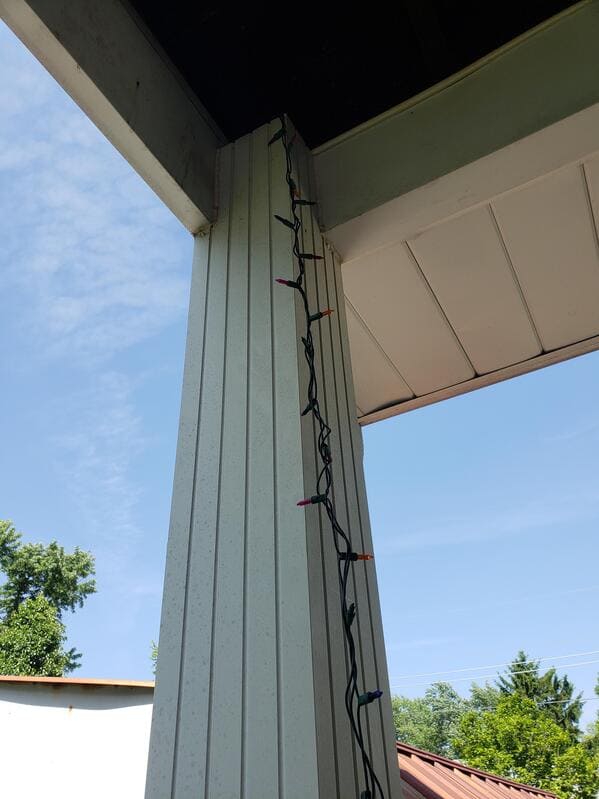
(103, 56)
(488, 272)
(466, 221)
(466, 217)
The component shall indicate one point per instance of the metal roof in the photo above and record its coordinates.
(78, 682)
(428, 776)
(424, 775)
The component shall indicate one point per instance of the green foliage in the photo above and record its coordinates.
(32, 640)
(41, 583)
(483, 697)
(413, 722)
(591, 739)
(525, 728)
(555, 694)
(521, 741)
(33, 569)
(154, 656)
(522, 676)
(430, 722)
(574, 774)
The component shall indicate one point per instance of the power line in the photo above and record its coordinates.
(497, 665)
(549, 702)
(515, 600)
(490, 676)
(565, 701)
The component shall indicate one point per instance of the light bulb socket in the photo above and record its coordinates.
(315, 500)
(355, 556)
(369, 696)
(316, 316)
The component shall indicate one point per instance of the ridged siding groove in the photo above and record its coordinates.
(325, 289)
(251, 672)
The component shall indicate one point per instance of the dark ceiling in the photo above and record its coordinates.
(330, 66)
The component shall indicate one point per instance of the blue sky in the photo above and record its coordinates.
(484, 508)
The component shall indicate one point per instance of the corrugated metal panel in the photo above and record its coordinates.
(428, 776)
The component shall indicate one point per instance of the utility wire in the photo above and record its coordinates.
(491, 709)
(566, 701)
(490, 676)
(355, 700)
(497, 665)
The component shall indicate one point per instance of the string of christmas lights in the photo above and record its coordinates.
(355, 700)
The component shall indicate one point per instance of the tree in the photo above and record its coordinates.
(483, 697)
(34, 569)
(413, 721)
(561, 703)
(554, 694)
(521, 741)
(591, 739)
(42, 581)
(32, 640)
(430, 722)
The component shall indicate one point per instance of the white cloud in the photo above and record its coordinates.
(489, 523)
(91, 264)
(429, 642)
(93, 257)
(98, 435)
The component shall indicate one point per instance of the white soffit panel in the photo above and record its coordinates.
(394, 301)
(379, 382)
(467, 267)
(550, 234)
(485, 286)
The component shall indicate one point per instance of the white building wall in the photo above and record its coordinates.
(64, 741)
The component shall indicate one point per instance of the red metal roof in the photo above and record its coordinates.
(86, 682)
(428, 776)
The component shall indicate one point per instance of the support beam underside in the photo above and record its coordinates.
(102, 56)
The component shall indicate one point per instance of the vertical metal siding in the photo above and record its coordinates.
(252, 666)
(352, 509)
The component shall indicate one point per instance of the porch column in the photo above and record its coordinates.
(249, 697)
